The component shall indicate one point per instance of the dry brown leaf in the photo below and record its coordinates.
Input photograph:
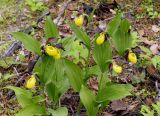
(154, 49)
(141, 32)
(155, 28)
(131, 108)
(118, 105)
(146, 41)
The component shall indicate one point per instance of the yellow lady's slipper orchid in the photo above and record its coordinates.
(132, 57)
(117, 69)
(79, 20)
(58, 56)
(31, 82)
(100, 39)
(51, 51)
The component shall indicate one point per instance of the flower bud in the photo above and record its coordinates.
(79, 20)
(51, 51)
(117, 69)
(58, 56)
(100, 39)
(31, 82)
(132, 57)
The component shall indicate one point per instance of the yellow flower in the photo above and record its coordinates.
(31, 82)
(51, 51)
(100, 39)
(79, 20)
(58, 56)
(117, 69)
(132, 57)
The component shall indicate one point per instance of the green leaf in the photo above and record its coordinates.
(102, 55)
(118, 30)
(53, 91)
(60, 79)
(134, 36)
(89, 101)
(7, 62)
(50, 29)
(45, 68)
(156, 107)
(29, 43)
(122, 41)
(93, 70)
(61, 111)
(103, 80)
(32, 110)
(82, 35)
(114, 92)
(146, 50)
(114, 24)
(155, 60)
(125, 25)
(51, 73)
(62, 85)
(146, 111)
(74, 74)
(75, 49)
(90, 17)
(24, 97)
(38, 99)
(49, 69)
(6, 76)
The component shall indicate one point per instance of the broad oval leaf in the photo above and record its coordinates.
(32, 110)
(125, 25)
(38, 99)
(114, 92)
(61, 111)
(45, 68)
(102, 55)
(24, 97)
(29, 43)
(51, 73)
(74, 74)
(89, 101)
(50, 29)
(114, 24)
(122, 41)
(82, 35)
(93, 70)
(118, 29)
(53, 91)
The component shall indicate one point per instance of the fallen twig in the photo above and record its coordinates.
(15, 46)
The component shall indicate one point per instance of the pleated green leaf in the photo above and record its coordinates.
(45, 68)
(114, 92)
(23, 96)
(122, 41)
(32, 110)
(82, 35)
(74, 74)
(61, 111)
(29, 43)
(50, 29)
(114, 24)
(118, 30)
(89, 101)
(102, 55)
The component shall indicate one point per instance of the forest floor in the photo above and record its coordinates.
(15, 15)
